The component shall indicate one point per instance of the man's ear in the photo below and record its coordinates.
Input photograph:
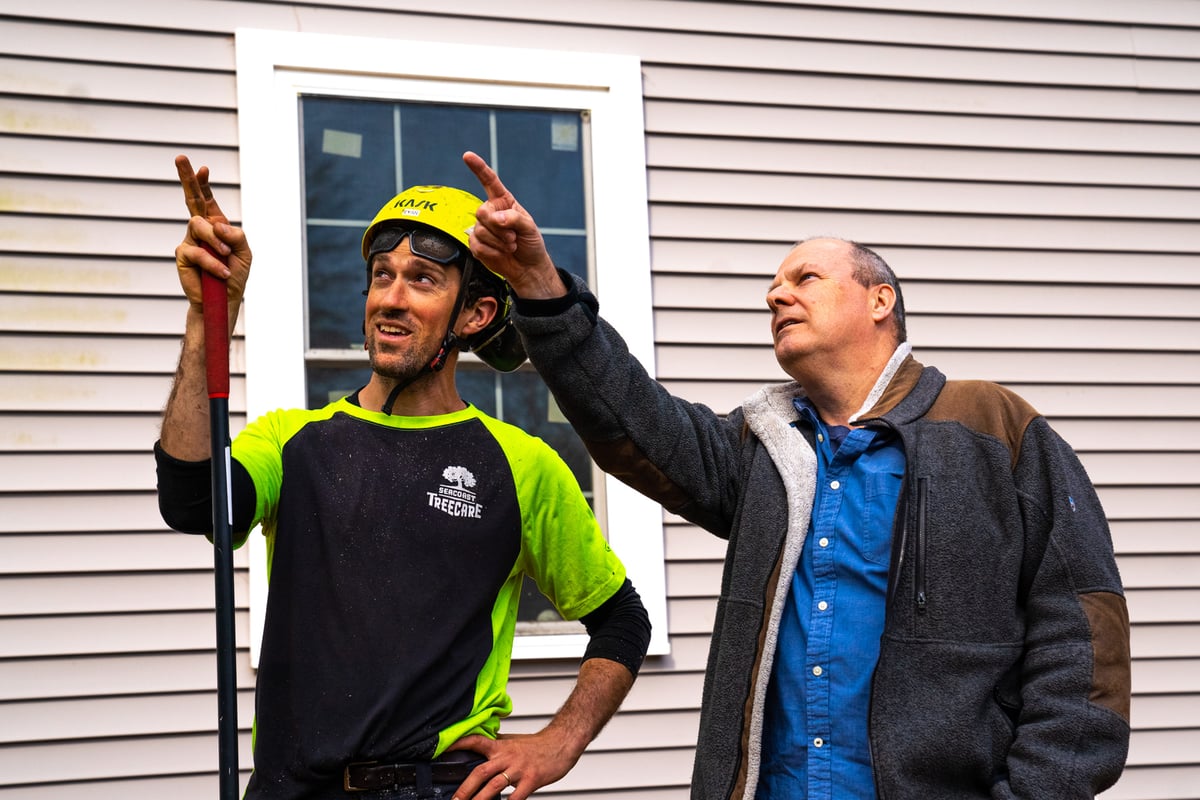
(478, 316)
(883, 300)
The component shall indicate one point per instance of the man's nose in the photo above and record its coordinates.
(396, 295)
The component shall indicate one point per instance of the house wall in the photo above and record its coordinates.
(1030, 169)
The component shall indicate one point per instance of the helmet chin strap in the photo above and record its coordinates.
(449, 342)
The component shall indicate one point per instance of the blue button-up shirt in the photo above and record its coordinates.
(815, 744)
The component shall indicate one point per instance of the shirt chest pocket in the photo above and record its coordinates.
(880, 496)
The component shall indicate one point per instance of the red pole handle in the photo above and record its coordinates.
(216, 332)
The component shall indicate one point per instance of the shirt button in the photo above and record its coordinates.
(835, 484)
(818, 742)
(823, 541)
(817, 671)
(820, 437)
(822, 605)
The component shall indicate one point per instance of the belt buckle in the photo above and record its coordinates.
(347, 780)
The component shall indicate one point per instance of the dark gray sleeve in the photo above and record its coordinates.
(619, 629)
(683, 455)
(185, 494)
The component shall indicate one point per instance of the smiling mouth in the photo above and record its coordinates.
(392, 330)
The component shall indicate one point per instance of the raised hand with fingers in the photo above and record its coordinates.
(507, 239)
(211, 243)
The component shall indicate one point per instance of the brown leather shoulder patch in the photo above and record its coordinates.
(987, 408)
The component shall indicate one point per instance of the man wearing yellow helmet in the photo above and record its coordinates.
(400, 522)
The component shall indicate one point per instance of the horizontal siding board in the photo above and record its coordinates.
(1164, 747)
(47, 554)
(1155, 783)
(65, 392)
(116, 593)
(1164, 605)
(1155, 536)
(81, 158)
(78, 236)
(853, 158)
(71, 433)
(1166, 571)
(1167, 641)
(734, 254)
(88, 353)
(1128, 435)
(684, 542)
(1171, 503)
(894, 128)
(98, 121)
(95, 315)
(926, 196)
(84, 634)
(113, 758)
(121, 674)
(689, 654)
(196, 786)
(70, 276)
(694, 578)
(64, 512)
(75, 197)
(109, 717)
(691, 615)
(893, 93)
(143, 85)
(900, 227)
(81, 42)
(1164, 12)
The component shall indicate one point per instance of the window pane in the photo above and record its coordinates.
(433, 139)
(349, 158)
(337, 276)
(329, 383)
(540, 160)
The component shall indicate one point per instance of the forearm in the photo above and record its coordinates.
(599, 691)
(185, 424)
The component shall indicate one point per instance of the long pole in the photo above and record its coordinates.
(216, 358)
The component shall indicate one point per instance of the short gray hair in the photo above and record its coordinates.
(871, 270)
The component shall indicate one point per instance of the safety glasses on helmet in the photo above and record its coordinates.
(424, 242)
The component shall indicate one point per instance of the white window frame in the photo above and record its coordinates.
(275, 67)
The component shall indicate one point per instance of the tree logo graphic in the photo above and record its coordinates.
(454, 497)
(459, 476)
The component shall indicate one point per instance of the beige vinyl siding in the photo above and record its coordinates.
(1031, 170)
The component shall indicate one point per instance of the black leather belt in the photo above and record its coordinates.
(367, 776)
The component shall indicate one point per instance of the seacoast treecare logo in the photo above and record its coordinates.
(454, 497)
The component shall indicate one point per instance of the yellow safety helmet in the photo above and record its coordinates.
(452, 211)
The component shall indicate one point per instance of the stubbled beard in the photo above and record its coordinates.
(398, 366)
